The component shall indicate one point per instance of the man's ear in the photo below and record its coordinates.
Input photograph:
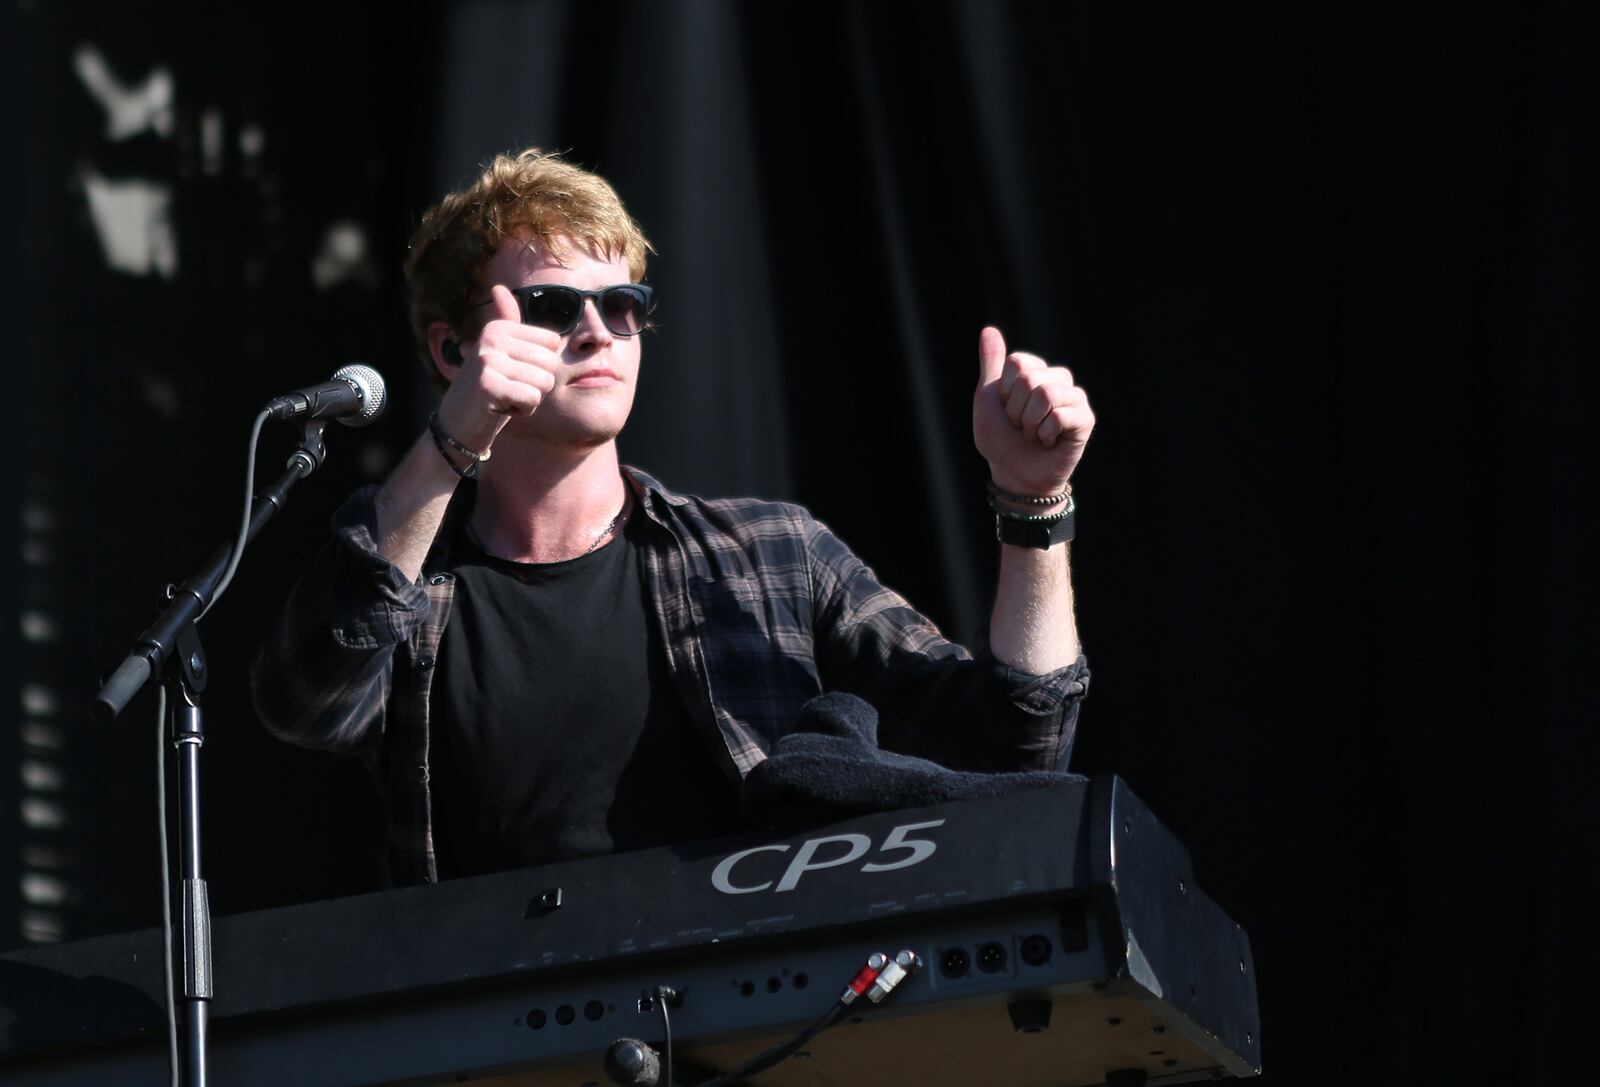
(445, 347)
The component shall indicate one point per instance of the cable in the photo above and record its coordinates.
(166, 882)
(161, 752)
(876, 980)
(780, 1052)
(663, 994)
(242, 538)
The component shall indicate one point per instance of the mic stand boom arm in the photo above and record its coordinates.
(172, 645)
(187, 602)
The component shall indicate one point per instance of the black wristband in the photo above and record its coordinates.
(1039, 534)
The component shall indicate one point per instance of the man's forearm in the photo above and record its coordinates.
(1032, 627)
(1030, 421)
(411, 505)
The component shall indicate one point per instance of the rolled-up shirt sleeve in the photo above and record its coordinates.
(323, 675)
(935, 699)
(373, 604)
(1041, 722)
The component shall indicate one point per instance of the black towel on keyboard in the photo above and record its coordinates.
(831, 767)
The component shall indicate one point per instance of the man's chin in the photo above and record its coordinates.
(594, 439)
(571, 433)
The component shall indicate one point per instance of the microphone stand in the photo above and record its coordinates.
(171, 646)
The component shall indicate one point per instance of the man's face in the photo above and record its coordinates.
(594, 387)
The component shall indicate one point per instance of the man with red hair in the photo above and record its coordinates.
(545, 654)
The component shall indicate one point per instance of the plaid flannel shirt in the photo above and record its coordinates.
(760, 606)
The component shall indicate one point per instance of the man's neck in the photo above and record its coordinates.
(537, 504)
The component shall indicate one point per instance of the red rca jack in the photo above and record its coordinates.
(865, 978)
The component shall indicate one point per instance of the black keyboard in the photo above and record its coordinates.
(1063, 936)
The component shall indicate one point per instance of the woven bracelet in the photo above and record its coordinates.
(441, 439)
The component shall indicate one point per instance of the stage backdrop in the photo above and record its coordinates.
(1327, 278)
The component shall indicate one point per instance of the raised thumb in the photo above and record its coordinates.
(991, 355)
(505, 305)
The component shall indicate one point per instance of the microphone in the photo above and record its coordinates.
(632, 1063)
(355, 397)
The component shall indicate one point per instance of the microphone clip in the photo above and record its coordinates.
(312, 452)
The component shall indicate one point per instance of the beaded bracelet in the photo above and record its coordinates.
(1029, 499)
(441, 439)
(1033, 518)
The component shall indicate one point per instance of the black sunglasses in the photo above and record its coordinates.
(625, 307)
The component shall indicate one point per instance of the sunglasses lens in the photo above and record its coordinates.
(623, 309)
(555, 308)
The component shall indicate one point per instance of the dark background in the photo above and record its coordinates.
(1325, 272)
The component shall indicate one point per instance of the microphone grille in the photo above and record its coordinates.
(374, 397)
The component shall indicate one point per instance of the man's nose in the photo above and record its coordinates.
(591, 332)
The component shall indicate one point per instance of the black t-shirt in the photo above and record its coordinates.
(555, 728)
